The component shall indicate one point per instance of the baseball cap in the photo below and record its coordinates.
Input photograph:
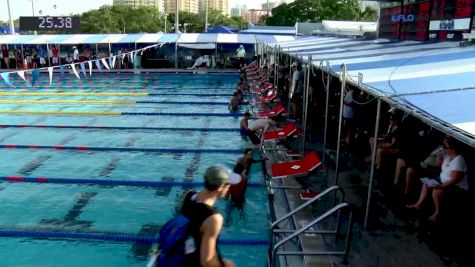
(219, 174)
(294, 64)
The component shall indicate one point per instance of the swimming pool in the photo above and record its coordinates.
(84, 224)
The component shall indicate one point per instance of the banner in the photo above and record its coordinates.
(105, 63)
(110, 62)
(83, 69)
(6, 78)
(73, 67)
(50, 71)
(35, 74)
(90, 67)
(21, 73)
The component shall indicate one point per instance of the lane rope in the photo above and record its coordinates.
(29, 93)
(119, 128)
(93, 181)
(117, 113)
(117, 237)
(105, 102)
(135, 149)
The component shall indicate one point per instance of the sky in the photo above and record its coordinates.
(66, 7)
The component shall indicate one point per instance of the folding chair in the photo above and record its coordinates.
(288, 130)
(301, 167)
(276, 111)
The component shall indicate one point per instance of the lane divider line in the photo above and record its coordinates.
(119, 128)
(93, 181)
(116, 237)
(117, 113)
(129, 149)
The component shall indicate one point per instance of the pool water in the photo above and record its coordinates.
(106, 209)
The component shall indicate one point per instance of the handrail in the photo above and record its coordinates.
(304, 205)
(312, 223)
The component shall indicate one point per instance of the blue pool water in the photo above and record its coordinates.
(76, 208)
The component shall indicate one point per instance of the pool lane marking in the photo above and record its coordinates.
(119, 128)
(169, 182)
(117, 113)
(105, 102)
(128, 149)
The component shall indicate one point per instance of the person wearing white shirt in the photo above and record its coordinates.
(75, 54)
(261, 124)
(452, 177)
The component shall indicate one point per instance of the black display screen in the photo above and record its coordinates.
(450, 19)
(49, 23)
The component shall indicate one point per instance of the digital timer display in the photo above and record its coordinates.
(427, 19)
(49, 23)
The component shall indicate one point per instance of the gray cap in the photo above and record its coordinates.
(218, 175)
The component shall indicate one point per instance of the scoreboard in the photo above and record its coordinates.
(427, 19)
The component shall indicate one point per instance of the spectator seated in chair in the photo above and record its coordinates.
(453, 179)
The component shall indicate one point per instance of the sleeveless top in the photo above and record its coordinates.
(197, 213)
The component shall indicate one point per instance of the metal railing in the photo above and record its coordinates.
(273, 248)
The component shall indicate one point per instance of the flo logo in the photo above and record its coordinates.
(403, 18)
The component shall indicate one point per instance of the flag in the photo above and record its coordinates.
(113, 61)
(98, 64)
(35, 74)
(73, 67)
(90, 67)
(21, 73)
(105, 63)
(6, 78)
(50, 71)
(83, 68)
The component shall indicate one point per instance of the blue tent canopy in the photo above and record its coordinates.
(221, 29)
(436, 80)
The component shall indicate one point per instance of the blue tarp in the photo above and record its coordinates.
(221, 29)
(415, 74)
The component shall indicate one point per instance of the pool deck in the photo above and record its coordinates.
(387, 241)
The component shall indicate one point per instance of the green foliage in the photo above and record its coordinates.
(120, 19)
(318, 10)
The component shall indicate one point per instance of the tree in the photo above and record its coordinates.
(318, 10)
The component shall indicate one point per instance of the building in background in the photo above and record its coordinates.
(238, 10)
(136, 3)
(185, 5)
(270, 4)
(221, 5)
(254, 15)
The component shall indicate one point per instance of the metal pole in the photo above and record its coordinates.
(305, 104)
(373, 158)
(176, 54)
(267, 8)
(12, 26)
(340, 118)
(325, 128)
(177, 19)
(166, 18)
(33, 9)
(206, 15)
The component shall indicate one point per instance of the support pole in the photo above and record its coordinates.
(305, 104)
(12, 26)
(327, 99)
(373, 158)
(177, 19)
(340, 121)
(206, 15)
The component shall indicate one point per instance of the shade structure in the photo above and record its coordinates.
(436, 80)
(70, 39)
